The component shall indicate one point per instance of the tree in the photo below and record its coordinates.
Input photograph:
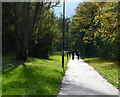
(107, 19)
(8, 28)
(26, 19)
(45, 35)
(95, 25)
(83, 28)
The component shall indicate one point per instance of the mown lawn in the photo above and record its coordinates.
(35, 77)
(108, 69)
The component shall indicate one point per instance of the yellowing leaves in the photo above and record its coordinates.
(76, 18)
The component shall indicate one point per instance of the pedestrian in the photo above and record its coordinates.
(78, 54)
(67, 54)
(72, 55)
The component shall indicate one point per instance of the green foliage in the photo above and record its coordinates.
(107, 69)
(83, 27)
(29, 29)
(8, 28)
(45, 36)
(35, 77)
(94, 29)
(108, 29)
(59, 27)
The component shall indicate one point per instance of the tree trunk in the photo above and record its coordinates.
(23, 33)
(26, 29)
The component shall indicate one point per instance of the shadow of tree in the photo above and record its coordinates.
(11, 65)
(35, 59)
(33, 82)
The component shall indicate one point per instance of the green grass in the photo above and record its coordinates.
(108, 69)
(35, 77)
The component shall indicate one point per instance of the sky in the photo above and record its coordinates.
(69, 8)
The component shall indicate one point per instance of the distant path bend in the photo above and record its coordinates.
(81, 79)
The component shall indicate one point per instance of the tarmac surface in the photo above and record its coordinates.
(82, 79)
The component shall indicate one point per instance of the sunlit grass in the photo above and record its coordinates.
(35, 77)
(107, 69)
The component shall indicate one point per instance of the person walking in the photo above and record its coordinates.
(72, 55)
(78, 54)
(67, 54)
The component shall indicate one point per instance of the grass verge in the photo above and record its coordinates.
(35, 77)
(108, 69)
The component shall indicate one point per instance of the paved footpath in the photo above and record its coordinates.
(81, 79)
